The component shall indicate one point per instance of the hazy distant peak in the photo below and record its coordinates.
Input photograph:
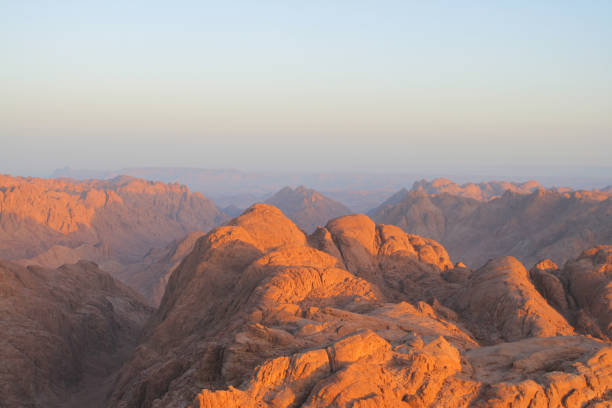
(531, 184)
(395, 198)
(285, 190)
(440, 182)
(483, 191)
(307, 207)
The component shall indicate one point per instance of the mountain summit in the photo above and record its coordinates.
(307, 208)
(363, 315)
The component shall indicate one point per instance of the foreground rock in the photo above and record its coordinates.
(581, 290)
(65, 332)
(355, 315)
(503, 305)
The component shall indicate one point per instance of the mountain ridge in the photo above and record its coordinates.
(542, 224)
(357, 313)
(126, 215)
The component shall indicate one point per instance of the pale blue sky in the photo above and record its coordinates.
(309, 85)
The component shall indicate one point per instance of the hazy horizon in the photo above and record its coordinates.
(235, 180)
(318, 86)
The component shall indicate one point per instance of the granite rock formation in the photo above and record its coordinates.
(364, 315)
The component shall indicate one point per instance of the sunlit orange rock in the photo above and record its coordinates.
(257, 314)
(127, 216)
(254, 318)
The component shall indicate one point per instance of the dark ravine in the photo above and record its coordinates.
(66, 332)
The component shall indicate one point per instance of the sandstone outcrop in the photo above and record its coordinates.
(307, 208)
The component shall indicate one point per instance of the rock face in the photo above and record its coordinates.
(307, 208)
(48, 219)
(542, 224)
(362, 315)
(115, 223)
(494, 294)
(588, 283)
(65, 332)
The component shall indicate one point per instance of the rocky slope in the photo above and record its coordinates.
(581, 290)
(150, 276)
(65, 332)
(365, 315)
(531, 227)
(307, 208)
(122, 218)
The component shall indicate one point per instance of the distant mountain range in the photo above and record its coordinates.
(359, 191)
(474, 222)
(125, 215)
(115, 223)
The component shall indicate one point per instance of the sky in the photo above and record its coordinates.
(305, 85)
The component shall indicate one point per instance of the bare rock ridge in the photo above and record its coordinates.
(115, 223)
(124, 217)
(65, 332)
(481, 191)
(364, 315)
(359, 191)
(306, 207)
(541, 224)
